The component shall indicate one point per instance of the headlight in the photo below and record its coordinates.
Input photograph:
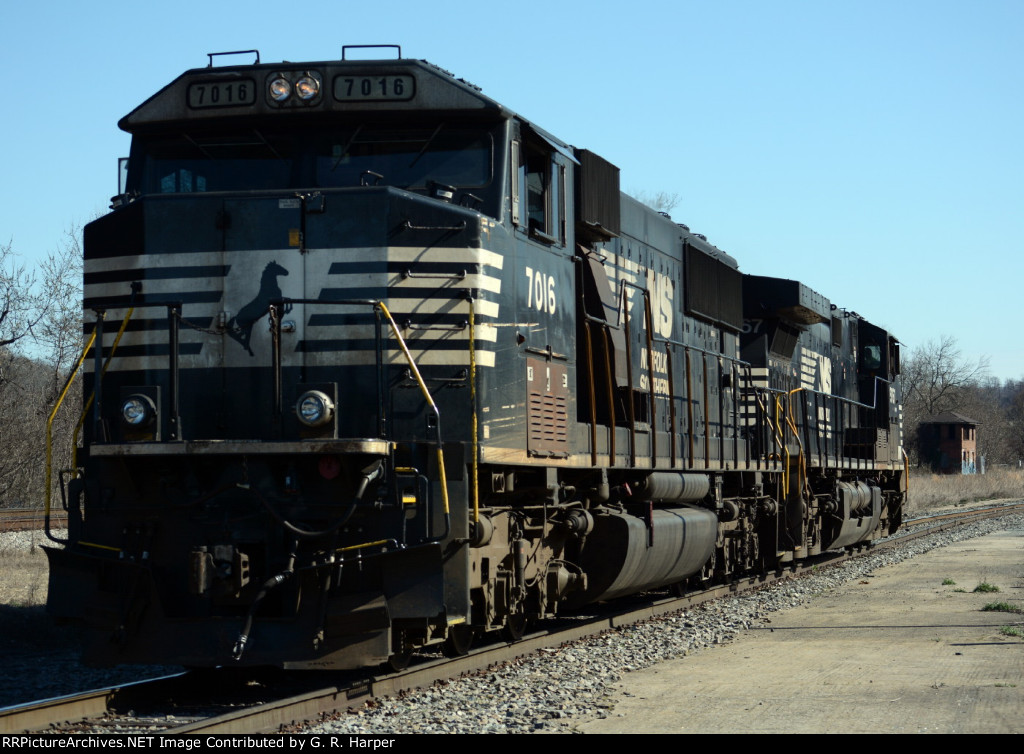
(138, 411)
(307, 87)
(280, 89)
(314, 409)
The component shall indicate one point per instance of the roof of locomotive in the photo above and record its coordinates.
(425, 86)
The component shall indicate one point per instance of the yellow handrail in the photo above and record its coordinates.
(906, 472)
(426, 394)
(472, 402)
(81, 419)
(49, 425)
(88, 402)
(800, 459)
(364, 545)
(100, 547)
(785, 447)
(776, 434)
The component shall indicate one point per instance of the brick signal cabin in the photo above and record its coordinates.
(949, 443)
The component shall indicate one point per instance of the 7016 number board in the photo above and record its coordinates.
(233, 93)
(374, 88)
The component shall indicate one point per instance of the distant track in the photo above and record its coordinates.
(27, 519)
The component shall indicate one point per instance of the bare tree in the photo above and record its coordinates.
(936, 378)
(19, 309)
(659, 201)
(58, 335)
(19, 313)
(988, 403)
(40, 336)
(1015, 420)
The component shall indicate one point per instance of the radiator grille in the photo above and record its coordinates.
(547, 412)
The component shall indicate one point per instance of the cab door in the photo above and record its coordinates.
(264, 263)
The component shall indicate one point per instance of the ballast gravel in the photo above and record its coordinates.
(554, 690)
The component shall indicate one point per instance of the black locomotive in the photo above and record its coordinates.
(381, 364)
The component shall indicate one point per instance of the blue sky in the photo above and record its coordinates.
(873, 150)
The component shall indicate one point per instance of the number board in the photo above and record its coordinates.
(234, 93)
(374, 88)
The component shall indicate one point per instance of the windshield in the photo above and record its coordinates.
(408, 158)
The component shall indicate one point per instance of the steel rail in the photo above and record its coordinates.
(40, 716)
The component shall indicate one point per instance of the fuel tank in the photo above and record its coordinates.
(622, 555)
(859, 510)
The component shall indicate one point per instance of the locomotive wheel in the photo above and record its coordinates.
(398, 662)
(459, 640)
(515, 627)
(704, 577)
(401, 652)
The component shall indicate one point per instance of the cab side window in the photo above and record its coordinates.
(872, 358)
(538, 195)
(542, 180)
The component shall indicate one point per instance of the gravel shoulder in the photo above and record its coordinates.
(895, 651)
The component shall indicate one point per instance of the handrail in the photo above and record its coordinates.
(906, 472)
(92, 396)
(801, 460)
(382, 307)
(472, 408)
(652, 397)
(785, 445)
(49, 437)
(777, 435)
(630, 405)
(100, 315)
(430, 400)
(378, 305)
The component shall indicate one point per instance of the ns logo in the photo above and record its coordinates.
(240, 326)
(662, 292)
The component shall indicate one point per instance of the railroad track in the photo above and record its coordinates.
(246, 705)
(27, 519)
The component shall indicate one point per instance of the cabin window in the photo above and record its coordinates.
(545, 195)
(837, 332)
(538, 182)
(408, 157)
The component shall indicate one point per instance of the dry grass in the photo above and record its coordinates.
(24, 570)
(928, 491)
(25, 628)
